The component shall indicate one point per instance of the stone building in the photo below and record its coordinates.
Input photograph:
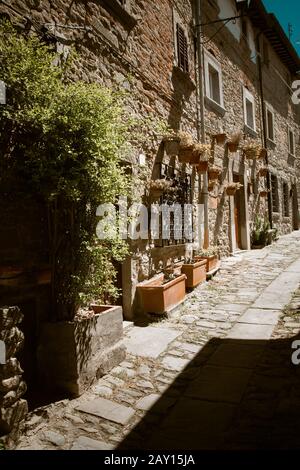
(185, 68)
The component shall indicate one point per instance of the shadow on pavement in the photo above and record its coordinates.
(234, 394)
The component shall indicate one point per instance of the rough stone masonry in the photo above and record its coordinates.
(13, 408)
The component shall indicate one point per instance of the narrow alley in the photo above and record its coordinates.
(216, 374)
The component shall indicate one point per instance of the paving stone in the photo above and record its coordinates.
(236, 354)
(224, 384)
(107, 409)
(86, 443)
(54, 437)
(102, 390)
(147, 402)
(232, 307)
(150, 341)
(74, 418)
(174, 363)
(260, 316)
(248, 331)
(144, 384)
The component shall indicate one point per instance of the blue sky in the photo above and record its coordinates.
(287, 11)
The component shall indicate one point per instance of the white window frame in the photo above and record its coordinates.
(210, 60)
(290, 131)
(248, 96)
(268, 108)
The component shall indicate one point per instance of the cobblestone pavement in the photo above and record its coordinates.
(216, 374)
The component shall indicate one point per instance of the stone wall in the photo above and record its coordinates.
(135, 50)
(12, 407)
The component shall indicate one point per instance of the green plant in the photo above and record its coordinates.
(211, 251)
(260, 231)
(63, 142)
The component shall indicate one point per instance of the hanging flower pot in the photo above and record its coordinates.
(234, 141)
(213, 173)
(212, 184)
(201, 155)
(159, 187)
(263, 193)
(202, 167)
(232, 188)
(263, 153)
(220, 138)
(263, 172)
(186, 147)
(171, 144)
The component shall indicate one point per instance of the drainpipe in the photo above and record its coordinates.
(203, 196)
(264, 125)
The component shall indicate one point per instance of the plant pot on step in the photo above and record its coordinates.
(73, 354)
(195, 273)
(159, 297)
(211, 261)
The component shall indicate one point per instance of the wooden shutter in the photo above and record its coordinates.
(182, 49)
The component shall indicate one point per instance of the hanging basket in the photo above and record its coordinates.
(220, 138)
(232, 146)
(251, 153)
(187, 155)
(202, 167)
(171, 145)
(213, 173)
(233, 188)
(263, 172)
(263, 153)
(263, 193)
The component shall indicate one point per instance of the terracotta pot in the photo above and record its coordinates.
(211, 261)
(263, 193)
(195, 273)
(186, 154)
(232, 147)
(220, 138)
(263, 172)
(231, 191)
(212, 184)
(213, 174)
(251, 154)
(172, 145)
(263, 153)
(202, 167)
(160, 298)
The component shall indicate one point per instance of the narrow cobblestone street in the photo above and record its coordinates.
(216, 374)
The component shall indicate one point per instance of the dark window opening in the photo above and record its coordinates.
(182, 49)
(274, 192)
(286, 206)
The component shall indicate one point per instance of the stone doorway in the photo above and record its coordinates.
(295, 207)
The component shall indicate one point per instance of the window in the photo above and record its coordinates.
(286, 206)
(213, 80)
(291, 142)
(182, 49)
(274, 192)
(249, 109)
(270, 123)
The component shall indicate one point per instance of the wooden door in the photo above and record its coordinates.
(237, 214)
(295, 208)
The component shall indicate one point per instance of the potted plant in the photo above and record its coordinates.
(213, 172)
(195, 271)
(232, 188)
(220, 138)
(72, 354)
(234, 141)
(251, 150)
(263, 171)
(162, 293)
(160, 186)
(212, 184)
(263, 193)
(171, 143)
(186, 147)
(202, 150)
(263, 153)
(210, 255)
(260, 234)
